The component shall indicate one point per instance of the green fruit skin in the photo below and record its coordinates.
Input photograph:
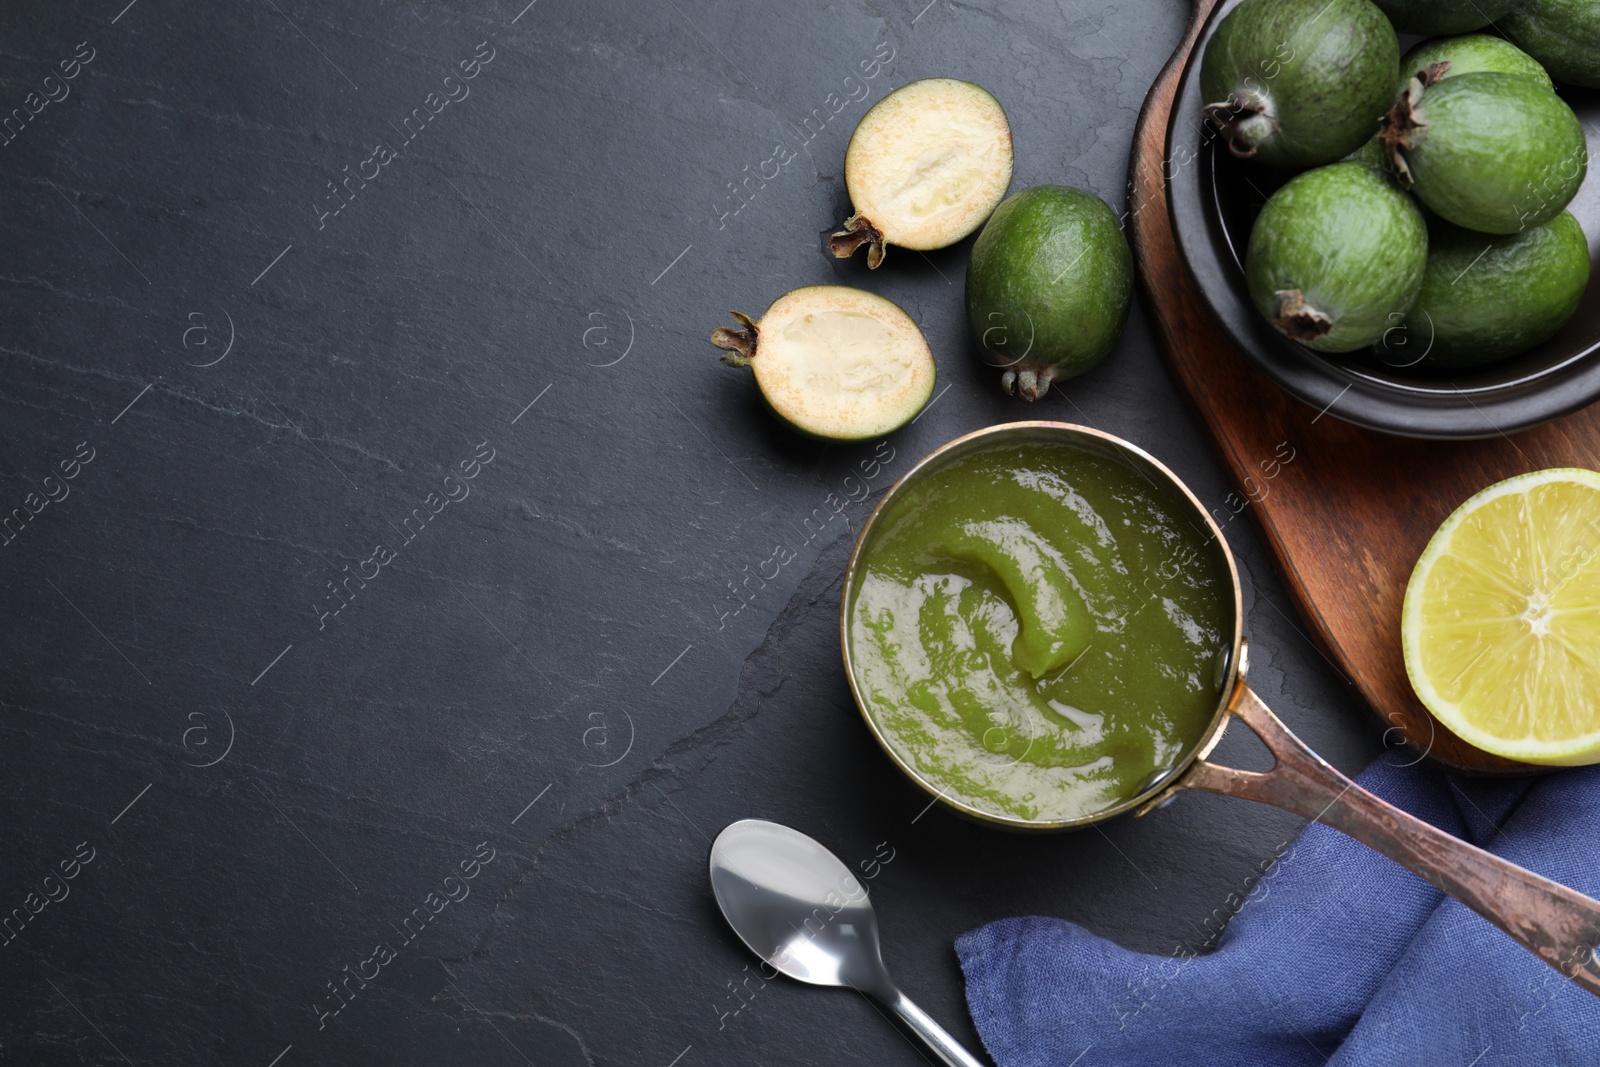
(1486, 297)
(1351, 241)
(840, 438)
(1473, 53)
(1326, 69)
(1564, 35)
(1431, 17)
(1049, 282)
(1497, 152)
(1371, 154)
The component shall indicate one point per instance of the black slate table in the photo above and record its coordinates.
(390, 562)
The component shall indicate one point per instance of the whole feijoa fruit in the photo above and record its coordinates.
(1491, 152)
(1336, 257)
(1370, 154)
(1299, 83)
(1489, 296)
(926, 165)
(1429, 17)
(1468, 54)
(834, 362)
(1564, 35)
(1048, 286)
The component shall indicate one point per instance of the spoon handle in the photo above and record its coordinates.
(947, 1048)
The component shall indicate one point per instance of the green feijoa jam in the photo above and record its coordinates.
(1036, 629)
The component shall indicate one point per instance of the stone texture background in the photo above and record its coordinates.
(575, 666)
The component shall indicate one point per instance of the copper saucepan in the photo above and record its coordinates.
(1559, 925)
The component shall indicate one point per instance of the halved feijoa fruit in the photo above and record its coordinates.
(1564, 35)
(1299, 83)
(1429, 17)
(926, 165)
(1488, 296)
(1468, 54)
(834, 362)
(1048, 286)
(1336, 257)
(1489, 151)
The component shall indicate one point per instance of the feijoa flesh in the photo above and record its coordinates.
(1336, 257)
(1489, 296)
(1048, 286)
(1564, 35)
(925, 167)
(1489, 151)
(1468, 54)
(1299, 83)
(834, 362)
(1429, 17)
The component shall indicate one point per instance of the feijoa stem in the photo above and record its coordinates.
(1028, 382)
(740, 344)
(1398, 129)
(1245, 121)
(857, 232)
(1297, 319)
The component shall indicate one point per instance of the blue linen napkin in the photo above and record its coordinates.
(1336, 956)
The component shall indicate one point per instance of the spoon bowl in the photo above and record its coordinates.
(794, 904)
(798, 907)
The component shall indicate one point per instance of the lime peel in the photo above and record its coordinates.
(1524, 686)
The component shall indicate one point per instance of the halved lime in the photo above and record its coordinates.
(1501, 624)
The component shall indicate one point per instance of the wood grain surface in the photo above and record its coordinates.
(1347, 517)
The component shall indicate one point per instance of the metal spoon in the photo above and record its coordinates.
(802, 911)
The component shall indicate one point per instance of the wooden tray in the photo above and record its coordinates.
(1348, 516)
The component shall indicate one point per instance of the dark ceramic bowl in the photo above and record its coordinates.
(1215, 198)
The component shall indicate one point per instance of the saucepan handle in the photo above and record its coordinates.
(1557, 924)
